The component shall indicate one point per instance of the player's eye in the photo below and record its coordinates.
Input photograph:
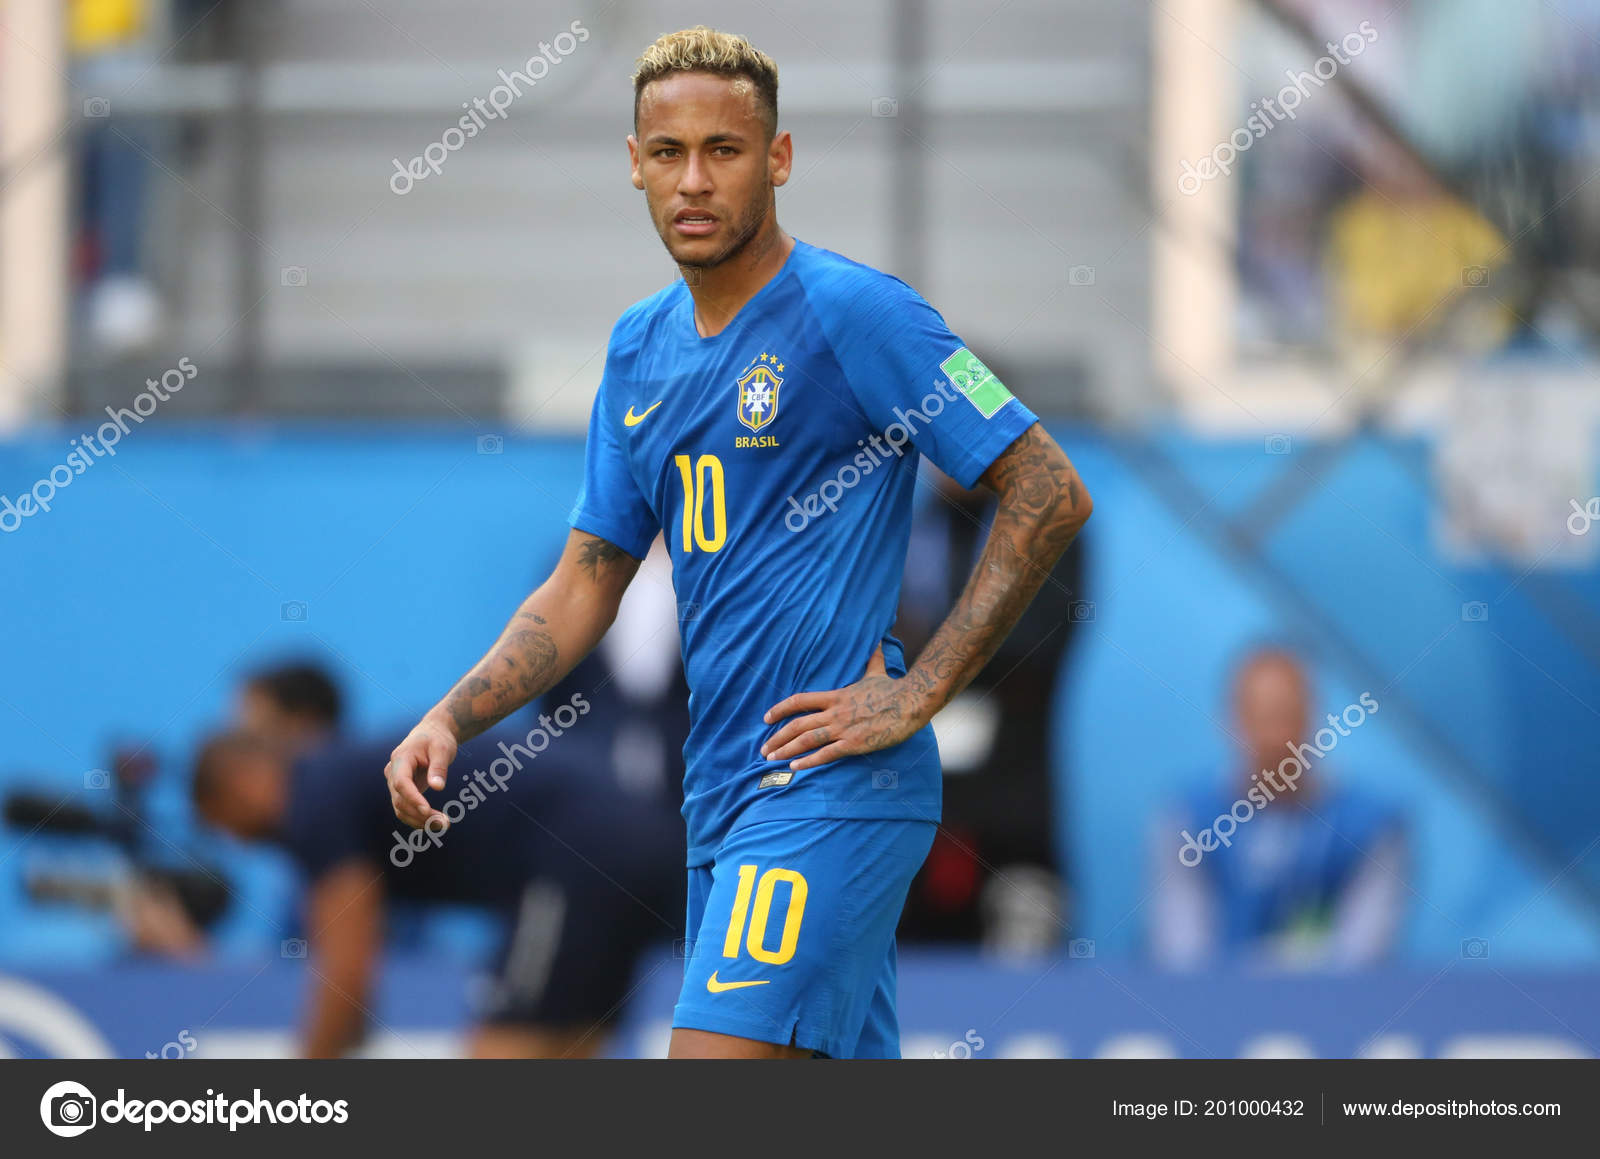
(725, 150)
(666, 153)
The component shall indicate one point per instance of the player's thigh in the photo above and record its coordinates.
(797, 920)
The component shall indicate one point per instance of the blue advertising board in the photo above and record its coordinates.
(953, 1005)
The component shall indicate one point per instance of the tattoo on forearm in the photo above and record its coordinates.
(523, 664)
(1042, 507)
(526, 661)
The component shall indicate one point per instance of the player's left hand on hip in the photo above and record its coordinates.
(874, 713)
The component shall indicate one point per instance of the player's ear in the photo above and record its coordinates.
(633, 161)
(780, 157)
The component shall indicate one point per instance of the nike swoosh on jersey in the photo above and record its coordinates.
(632, 420)
(718, 987)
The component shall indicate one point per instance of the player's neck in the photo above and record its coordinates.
(721, 291)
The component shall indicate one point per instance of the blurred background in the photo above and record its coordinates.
(1293, 756)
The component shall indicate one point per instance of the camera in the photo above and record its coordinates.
(1080, 276)
(1080, 948)
(294, 275)
(1080, 611)
(97, 779)
(294, 610)
(1278, 444)
(96, 107)
(491, 444)
(885, 107)
(1475, 612)
(1474, 948)
(885, 779)
(72, 1111)
(294, 948)
(1474, 276)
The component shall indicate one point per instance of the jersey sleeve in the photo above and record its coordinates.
(610, 504)
(916, 380)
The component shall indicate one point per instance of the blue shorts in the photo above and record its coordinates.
(791, 934)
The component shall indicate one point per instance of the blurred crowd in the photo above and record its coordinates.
(1348, 239)
(119, 306)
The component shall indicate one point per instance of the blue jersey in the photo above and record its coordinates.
(779, 458)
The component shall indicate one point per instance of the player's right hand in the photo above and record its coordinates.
(422, 759)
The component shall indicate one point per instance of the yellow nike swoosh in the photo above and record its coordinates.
(718, 987)
(632, 420)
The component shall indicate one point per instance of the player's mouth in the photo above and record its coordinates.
(694, 222)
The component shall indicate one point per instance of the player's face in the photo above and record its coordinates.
(706, 167)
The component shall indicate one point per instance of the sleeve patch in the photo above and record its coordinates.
(976, 381)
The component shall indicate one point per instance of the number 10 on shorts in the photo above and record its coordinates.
(755, 942)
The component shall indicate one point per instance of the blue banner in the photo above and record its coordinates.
(952, 1005)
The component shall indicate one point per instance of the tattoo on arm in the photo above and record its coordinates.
(1042, 507)
(528, 658)
(596, 556)
(524, 663)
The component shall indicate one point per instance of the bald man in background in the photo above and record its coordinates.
(1274, 865)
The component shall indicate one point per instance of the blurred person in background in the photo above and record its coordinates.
(110, 45)
(1399, 247)
(232, 899)
(298, 705)
(580, 888)
(993, 875)
(586, 874)
(1313, 877)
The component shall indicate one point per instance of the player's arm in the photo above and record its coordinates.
(557, 626)
(344, 912)
(1042, 506)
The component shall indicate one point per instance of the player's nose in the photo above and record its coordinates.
(695, 178)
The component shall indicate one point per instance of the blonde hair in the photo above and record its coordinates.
(702, 49)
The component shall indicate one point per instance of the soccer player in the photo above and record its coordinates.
(766, 412)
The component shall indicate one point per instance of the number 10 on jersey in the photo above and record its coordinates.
(704, 495)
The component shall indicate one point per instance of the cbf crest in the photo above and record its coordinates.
(758, 391)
